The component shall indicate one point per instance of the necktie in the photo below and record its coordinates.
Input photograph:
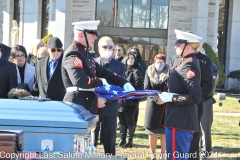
(52, 65)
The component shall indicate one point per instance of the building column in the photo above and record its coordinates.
(63, 22)
(212, 27)
(233, 47)
(6, 24)
(200, 18)
(30, 23)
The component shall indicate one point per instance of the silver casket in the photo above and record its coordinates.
(48, 125)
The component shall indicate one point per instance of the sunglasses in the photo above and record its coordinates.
(20, 56)
(56, 49)
(107, 46)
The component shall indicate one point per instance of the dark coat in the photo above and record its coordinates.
(185, 81)
(154, 113)
(53, 87)
(142, 66)
(8, 77)
(133, 76)
(111, 108)
(79, 69)
(5, 52)
(206, 75)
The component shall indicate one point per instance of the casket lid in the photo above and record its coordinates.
(52, 114)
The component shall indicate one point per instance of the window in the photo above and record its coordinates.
(133, 13)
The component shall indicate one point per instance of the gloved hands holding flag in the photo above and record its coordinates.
(128, 87)
(165, 97)
(105, 83)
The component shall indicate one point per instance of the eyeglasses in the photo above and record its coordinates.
(56, 49)
(118, 50)
(20, 56)
(109, 47)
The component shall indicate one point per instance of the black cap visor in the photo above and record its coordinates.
(92, 32)
(179, 41)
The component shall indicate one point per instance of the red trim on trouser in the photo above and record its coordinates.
(173, 143)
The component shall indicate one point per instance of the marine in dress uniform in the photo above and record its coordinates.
(181, 118)
(206, 87)
(81, 74)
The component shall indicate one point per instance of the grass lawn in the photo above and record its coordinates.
(230, 105)
(225, 135)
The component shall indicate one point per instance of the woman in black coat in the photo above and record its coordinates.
(155, 79)
(127, 108)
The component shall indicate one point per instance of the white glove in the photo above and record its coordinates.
(128, 87)
(166, 96)
(104, 81)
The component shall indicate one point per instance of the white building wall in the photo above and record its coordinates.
(64, 21)
(30, 23)
(212, 25)
(6, 17)
(233, 42)
(180, 17)
(200, 18)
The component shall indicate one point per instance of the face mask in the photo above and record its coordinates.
(106, 54)
(159, 66)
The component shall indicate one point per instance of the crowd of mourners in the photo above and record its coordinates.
(40, 73)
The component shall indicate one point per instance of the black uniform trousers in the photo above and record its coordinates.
(108, 132)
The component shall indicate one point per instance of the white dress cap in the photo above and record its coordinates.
(86, 25)
(189, 37)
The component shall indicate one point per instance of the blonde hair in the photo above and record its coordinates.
(35, 46)
(196, 46)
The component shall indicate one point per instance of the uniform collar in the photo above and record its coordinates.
(81, 46)
(193, 55)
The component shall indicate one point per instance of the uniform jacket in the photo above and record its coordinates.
(5, 51)
(134, 76)
(8, 77)
(111, 108)
(206, 76)
(184, 80)
(154, 113)
(29, 72)
(53, 87)
(79, 69)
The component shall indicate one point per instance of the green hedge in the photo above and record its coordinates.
(211, 54)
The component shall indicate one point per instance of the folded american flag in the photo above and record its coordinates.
(116, 93)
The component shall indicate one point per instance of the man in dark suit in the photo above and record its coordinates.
(8, 77)
(3, 48)
(108, 114)
(48, 76)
